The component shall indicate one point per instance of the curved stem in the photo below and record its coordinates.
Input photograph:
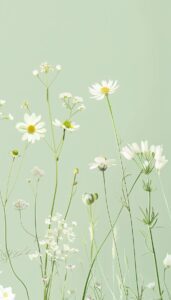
(8, 255)
(71, 196)
(112, 230)
(127, 194)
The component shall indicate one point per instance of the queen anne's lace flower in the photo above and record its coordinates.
(102, 163)
(67, 125)
(37, 172)
(6, 293)
(33, 129)
(58, 240)
(147, 157)
(20, 204)
(105, 88)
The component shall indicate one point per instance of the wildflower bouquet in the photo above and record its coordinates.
(58, 251)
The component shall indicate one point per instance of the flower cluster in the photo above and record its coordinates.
(146, 157)
(58, 240)
(46, 68)
(6, 293)
(73, 103)
(20, 204)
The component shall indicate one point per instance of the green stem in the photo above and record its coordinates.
(154, 253)
(50, 119)
(127, 194)
(164, 279)
(8, 254)
(112, 230)
(71, 196)
(35, 228)
(97, 253)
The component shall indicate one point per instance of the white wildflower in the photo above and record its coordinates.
(167, 261)
(20, 204)
(67, 125)
(6, 293)
(32, 128)
(37, 172)
(102, 163)
(105, 88)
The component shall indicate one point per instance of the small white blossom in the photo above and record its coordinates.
(20, 204)
(46, 68)
(167, 261)
(34, 255)
(70, 267)
(2, 103)
(102, 163)
(105, 88)
(67, 125)
(37, 172)
(58, 67)
(35, 73)
(32, 128)
(151, 285)
(89, 199)
(65, 96)
(6, 293)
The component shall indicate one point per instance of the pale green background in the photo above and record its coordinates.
(93, 40)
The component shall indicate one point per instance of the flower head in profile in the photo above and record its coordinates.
(89, 199)
(102, 163)
(105, 88)
(32, 128)
(20, 204)
(67, 125)
(146, 157)
(6, 293)
(167, 261)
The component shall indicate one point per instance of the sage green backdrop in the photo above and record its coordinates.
(127, 40)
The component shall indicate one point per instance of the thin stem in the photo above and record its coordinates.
(71, 196)
(50, 119)
(8, 254)
(113, 235)
(97, 253)
(127, 194)
(105, 239)
(154, 253)
(35, 228)
(23, 227)
(164, 279)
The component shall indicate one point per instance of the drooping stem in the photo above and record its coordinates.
(126, 191)
(112, 230)
(154, 251)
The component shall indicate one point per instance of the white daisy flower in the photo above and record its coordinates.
(102, 163)
(33, 130)
(105, 88)
(147, 157)
(67, 125)
(89, 199)
(6, 293)
(167, 261)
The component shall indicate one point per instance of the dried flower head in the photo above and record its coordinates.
(20, 204)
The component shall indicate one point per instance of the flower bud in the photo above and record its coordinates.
(89, 199)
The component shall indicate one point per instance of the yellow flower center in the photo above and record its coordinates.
(5, 295)
(68, 124)
(31, 129)
(105, 90)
